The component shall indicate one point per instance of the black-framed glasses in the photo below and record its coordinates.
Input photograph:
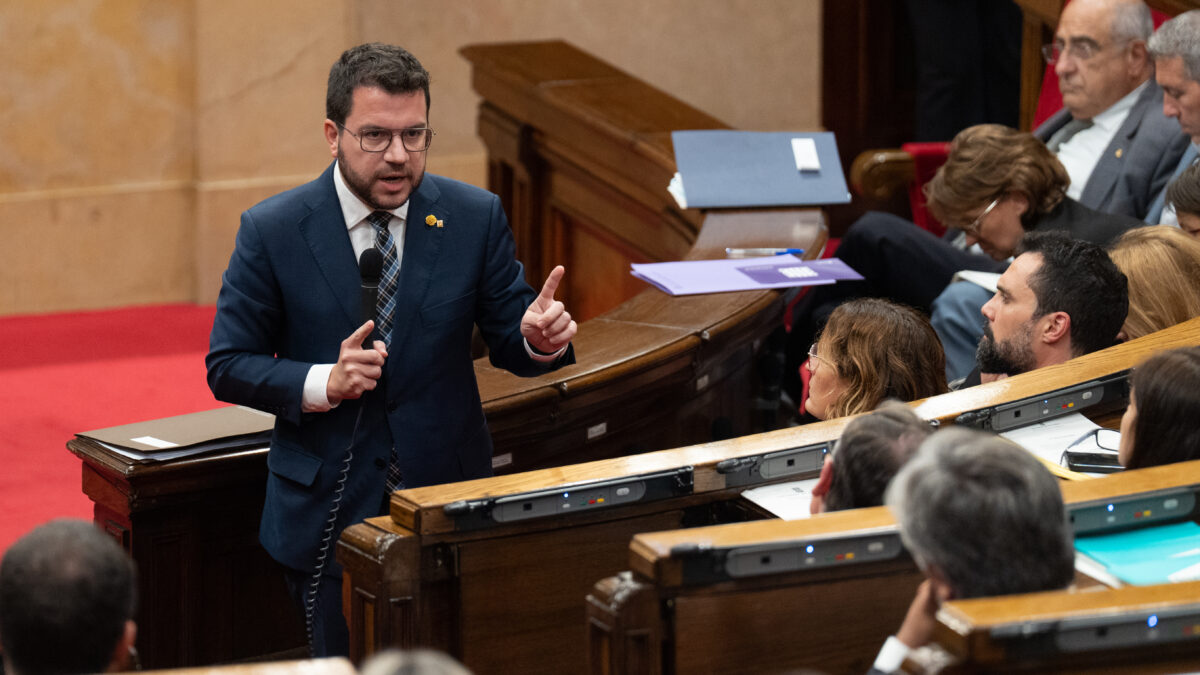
(1080, 51)
(1105, 439)
(373, 139)
(973, 228)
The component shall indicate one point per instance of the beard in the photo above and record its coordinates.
(1010, 357)
(360, 184)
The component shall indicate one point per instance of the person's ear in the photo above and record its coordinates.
(123, 652)
(939, 585)
(1055, 327)
(1020, 202)
(822, 487)
(1137, 58)
(331, 137)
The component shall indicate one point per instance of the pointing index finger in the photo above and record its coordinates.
(551, 284)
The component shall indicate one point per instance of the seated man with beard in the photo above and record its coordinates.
(1060, 298)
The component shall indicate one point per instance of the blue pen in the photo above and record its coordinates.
(759, 252)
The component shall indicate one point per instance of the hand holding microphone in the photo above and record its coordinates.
(360, 358)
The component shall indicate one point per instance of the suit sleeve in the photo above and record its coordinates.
(504, 298)
(243, 367)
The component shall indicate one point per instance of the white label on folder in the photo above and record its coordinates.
(154, 442)
(805, 151)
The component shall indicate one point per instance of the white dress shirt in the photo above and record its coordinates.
(1080, 153)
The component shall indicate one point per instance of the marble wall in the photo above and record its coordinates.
(136, 131)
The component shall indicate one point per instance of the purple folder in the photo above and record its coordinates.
(742, 274)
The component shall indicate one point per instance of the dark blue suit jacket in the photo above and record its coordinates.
(290, 296)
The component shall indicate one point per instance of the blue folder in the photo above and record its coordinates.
(737, 169)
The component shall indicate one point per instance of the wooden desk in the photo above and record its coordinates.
(1065, 631)
(1090, 631)
(685, 609)
(506, 596)
(581, 155)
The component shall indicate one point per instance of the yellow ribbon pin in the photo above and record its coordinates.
(430, 220)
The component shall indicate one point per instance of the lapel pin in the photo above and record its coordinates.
(430, 220)
(439, 223)
(1119, 151)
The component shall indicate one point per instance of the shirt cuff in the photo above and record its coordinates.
(314, 398)
(544, 358)
(892, 656)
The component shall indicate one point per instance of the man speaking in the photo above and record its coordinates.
(368, 400)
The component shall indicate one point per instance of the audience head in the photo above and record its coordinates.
(1184, 194)
(388, 67)
(996, 184)
(1162, 265)
(982, 517)
(412, 662)
(1059, 299)
(868, 455)
(871, 350)
(1175, 48)
(1099, 53)
(66, 601)
(1162, 423)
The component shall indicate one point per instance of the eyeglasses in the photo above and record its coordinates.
(1105, 439)
(416, 139)
(973, 228)
(813, 358)
(1080, 51)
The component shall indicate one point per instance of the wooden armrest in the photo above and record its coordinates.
(877, 174)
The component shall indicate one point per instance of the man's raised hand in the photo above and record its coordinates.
(547, 325)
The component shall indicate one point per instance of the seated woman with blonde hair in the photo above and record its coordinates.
(1162, 265)
(1162, 423)
(871, 350)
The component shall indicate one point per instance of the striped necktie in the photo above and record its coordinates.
(386, 307)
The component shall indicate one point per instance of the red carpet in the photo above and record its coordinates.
(65, 373)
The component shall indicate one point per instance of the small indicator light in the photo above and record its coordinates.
(1152, 621)
(849, 556)
(566, 495)
(1110, 508)
(808, 549)
(600, 500)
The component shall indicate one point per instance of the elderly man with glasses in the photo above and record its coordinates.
(347, 312)
(1116, 145)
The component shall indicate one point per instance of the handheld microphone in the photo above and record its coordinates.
(370, 268)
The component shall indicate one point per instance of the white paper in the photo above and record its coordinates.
(789, 501)
(805, 152)
(985, 280)
(675, 187)
(154, 442)
(1049, 439)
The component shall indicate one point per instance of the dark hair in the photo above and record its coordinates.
(1166, 428)
(391, 68)
(986, 513)
(1078, 277)
(870, 452)
(66, 591)
(883, 350)
(1184, 192)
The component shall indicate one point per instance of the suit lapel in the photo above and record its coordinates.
(422, 245)
(324, 229)
(1103, 180)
